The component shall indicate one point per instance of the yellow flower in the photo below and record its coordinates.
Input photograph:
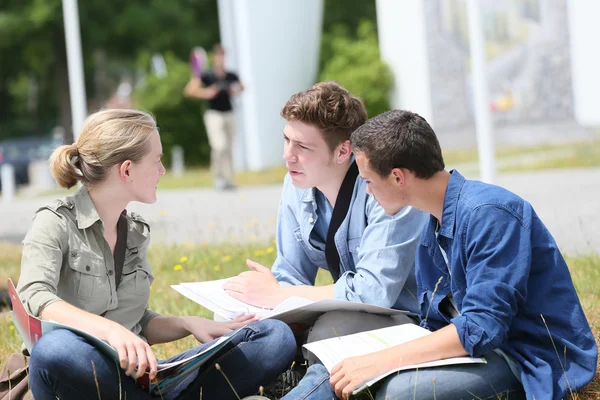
(183, 259)
(217, 267)
(227, 258)
(270, 250)
(12, 327)
(150, 287)
(259, 253)
(178, 267)
(274, 242)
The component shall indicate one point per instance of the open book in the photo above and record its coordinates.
(210, 294)
(169, 375)
(334, 350)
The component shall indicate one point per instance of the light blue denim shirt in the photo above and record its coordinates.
(377, 251)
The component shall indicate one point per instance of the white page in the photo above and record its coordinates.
(213, 292)
(332, 351)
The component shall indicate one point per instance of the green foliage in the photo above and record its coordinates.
(356, 64)
(179, 118)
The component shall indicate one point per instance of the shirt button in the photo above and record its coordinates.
(311, 220)
(87, 268)
(110, 272)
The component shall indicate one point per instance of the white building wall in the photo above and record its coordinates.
(275, 46)
(403, 45)
(584, 31)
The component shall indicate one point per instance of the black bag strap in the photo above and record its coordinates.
(120, 246)
(342, 203)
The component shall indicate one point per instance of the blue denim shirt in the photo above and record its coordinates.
(377, 251)
(506, 274)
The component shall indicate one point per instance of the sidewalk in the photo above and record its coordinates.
(567, 200)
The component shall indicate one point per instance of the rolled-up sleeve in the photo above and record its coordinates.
(43, 249)
(498, 264)
(289, 247)
(148, 315)
(386, 257)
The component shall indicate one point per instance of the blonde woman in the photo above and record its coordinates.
(68, 275)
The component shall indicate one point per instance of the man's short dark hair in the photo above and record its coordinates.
(399, 139)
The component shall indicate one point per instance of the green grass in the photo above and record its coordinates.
(584, 154)
(174, 264)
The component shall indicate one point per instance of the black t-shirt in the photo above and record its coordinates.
(222, 101)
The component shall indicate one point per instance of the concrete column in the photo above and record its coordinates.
(403, 45)
(276, 46)
(584, 30)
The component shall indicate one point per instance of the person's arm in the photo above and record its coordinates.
(133, 351)
(292, 273)
(497, 269)
(163, 329)
(386, 256)
(354, 371)
(41, 263)
(237, 87)
(195, 89)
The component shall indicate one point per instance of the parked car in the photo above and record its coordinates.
(21, 152)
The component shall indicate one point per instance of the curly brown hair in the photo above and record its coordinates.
(328, 107)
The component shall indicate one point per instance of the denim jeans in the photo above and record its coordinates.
(62, 365)
(473, 381)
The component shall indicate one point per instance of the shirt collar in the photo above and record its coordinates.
(455, 185)
(85, 211)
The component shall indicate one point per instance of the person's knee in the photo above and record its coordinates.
(281, 341)
(334, 324)
(52, 350)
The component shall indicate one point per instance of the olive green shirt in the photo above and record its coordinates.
(65, 257)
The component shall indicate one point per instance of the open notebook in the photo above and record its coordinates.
(332, 351)
(211, 295)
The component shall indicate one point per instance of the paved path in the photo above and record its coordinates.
(568, 201)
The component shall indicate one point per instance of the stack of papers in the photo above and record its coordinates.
(211, 295)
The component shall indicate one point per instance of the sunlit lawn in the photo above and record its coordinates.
(176, 264)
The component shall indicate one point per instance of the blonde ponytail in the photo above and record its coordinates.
(62, 168)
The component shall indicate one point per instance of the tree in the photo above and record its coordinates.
(356, 64)
(113, 34)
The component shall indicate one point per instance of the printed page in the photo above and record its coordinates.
(332, 351)
(212, 293)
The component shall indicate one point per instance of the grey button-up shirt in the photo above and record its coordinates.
(65, 257)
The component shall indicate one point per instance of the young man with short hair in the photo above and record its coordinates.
(376, 251)
(491, 282)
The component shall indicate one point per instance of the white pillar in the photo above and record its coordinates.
(483, 121)
(276, 45)
(584, 29)
(227, 30)
(403, 45)
(75, 65)
(7, 177)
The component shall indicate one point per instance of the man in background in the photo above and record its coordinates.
(218, 86)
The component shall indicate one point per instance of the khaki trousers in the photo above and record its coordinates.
(220, 128)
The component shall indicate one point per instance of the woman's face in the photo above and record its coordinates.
(146, 173)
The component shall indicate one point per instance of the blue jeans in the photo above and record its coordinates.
(61, 366)
(474, 381)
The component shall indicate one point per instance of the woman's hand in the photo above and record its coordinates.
(205, 330)
(133, 351)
